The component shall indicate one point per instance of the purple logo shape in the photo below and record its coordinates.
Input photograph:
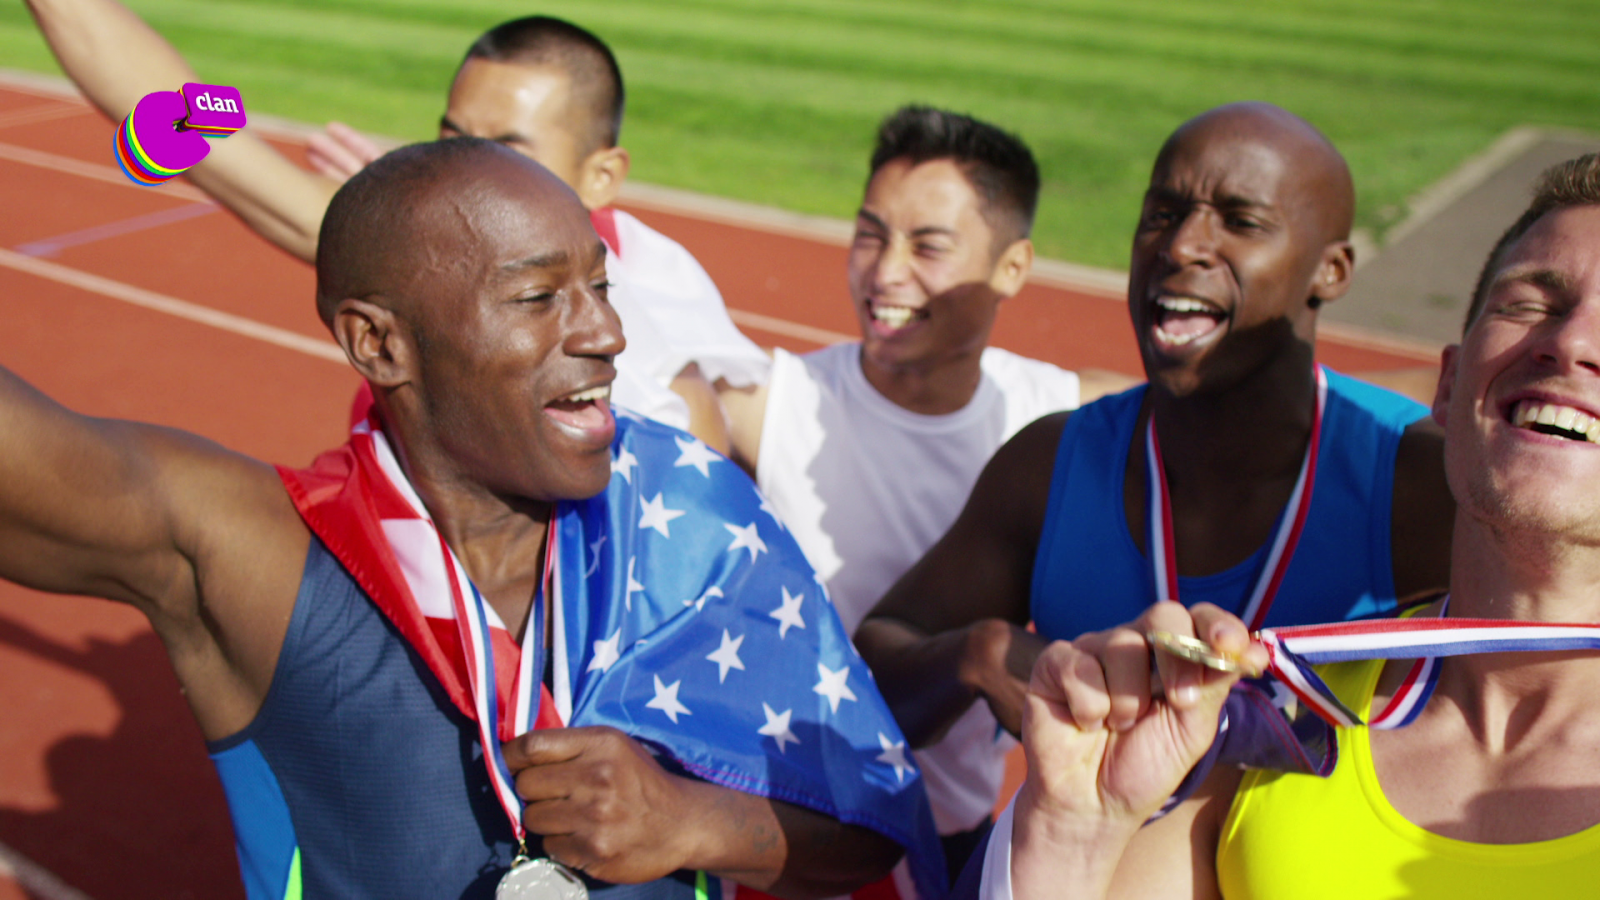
(214, 108)
(166, 133)
(162, 150)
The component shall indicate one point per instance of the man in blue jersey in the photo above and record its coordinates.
(1302, 495)
(1488, 789)
(347, 636)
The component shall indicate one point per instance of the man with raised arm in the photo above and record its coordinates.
(542, 86)
(1490, 790)
(381, 648)
(867, 449)
(1243, 475)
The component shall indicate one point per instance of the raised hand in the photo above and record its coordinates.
(1108, 739)
(339, 151)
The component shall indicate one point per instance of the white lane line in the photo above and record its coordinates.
(172, 306)
(52, 245)
(35, 114)
(109, 174)
(787, 328)
(1081, 278)
(36, 879)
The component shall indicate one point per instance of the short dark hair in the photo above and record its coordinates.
(1575, 182)
(548, 41)
(998, 165)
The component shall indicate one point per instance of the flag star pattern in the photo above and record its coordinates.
(727, 656)
(833, 686)
(656, 515)
(770, 730)
(623, 463)
(594, 555)
(666, 700)
(700, 603)
(606, 653)
(694, 452)
(894, 753)
(748, 537)
(788, 614)
(633, 587)
(777, 726)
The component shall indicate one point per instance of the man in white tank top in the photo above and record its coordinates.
(867, 450)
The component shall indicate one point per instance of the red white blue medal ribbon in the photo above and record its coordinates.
(472, 615)
(1163, 553)
(1294, 650)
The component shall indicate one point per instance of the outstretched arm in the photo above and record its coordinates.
(606, 807)
(203, 541)
(952, 629)
(116, 59)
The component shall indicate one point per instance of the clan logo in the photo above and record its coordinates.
(166, 133)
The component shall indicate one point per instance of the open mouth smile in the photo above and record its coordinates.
(587, 412)
(1556, 420)
(890, 319)
(1179, 321)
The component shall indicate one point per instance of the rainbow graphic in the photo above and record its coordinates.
(168, 133)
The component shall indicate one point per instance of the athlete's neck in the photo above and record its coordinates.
(1257, 428)
(1501, 573)
(498, 539)
(931, 389)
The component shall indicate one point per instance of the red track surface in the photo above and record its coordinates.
(103, 775)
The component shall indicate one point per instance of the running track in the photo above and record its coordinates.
(119, 300)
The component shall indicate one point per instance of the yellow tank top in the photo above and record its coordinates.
(1308, 838)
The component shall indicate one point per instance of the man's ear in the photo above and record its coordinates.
(1447, 383)
(1012, 267)
(1334, 272)
(601, 176)
(375, 341)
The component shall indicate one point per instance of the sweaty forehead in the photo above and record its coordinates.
(1262, 155)
(934, 188)
(1221, 168)
(499, 100)
(479, 218)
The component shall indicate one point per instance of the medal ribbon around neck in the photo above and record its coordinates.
(476, 648)
(1294, 650)
(1163, 553)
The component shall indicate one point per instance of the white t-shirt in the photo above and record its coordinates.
(867, 487)
(672, 315)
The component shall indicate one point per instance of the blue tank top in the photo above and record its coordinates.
(1089, 574)
(359, 777)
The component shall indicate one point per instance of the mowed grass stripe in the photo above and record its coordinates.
(776, 102)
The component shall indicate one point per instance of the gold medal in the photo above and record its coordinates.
(540, 879)
(1194, 650)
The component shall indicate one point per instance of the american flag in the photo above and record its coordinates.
(687, 617)
(705, 633)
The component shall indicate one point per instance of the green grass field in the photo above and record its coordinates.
(775, 101)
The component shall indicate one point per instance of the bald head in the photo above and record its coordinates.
(415, 213)
(1243, 236)
(1316, 171)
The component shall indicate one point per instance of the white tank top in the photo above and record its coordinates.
(867, 487)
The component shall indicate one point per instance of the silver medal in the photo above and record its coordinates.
(540, 879)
